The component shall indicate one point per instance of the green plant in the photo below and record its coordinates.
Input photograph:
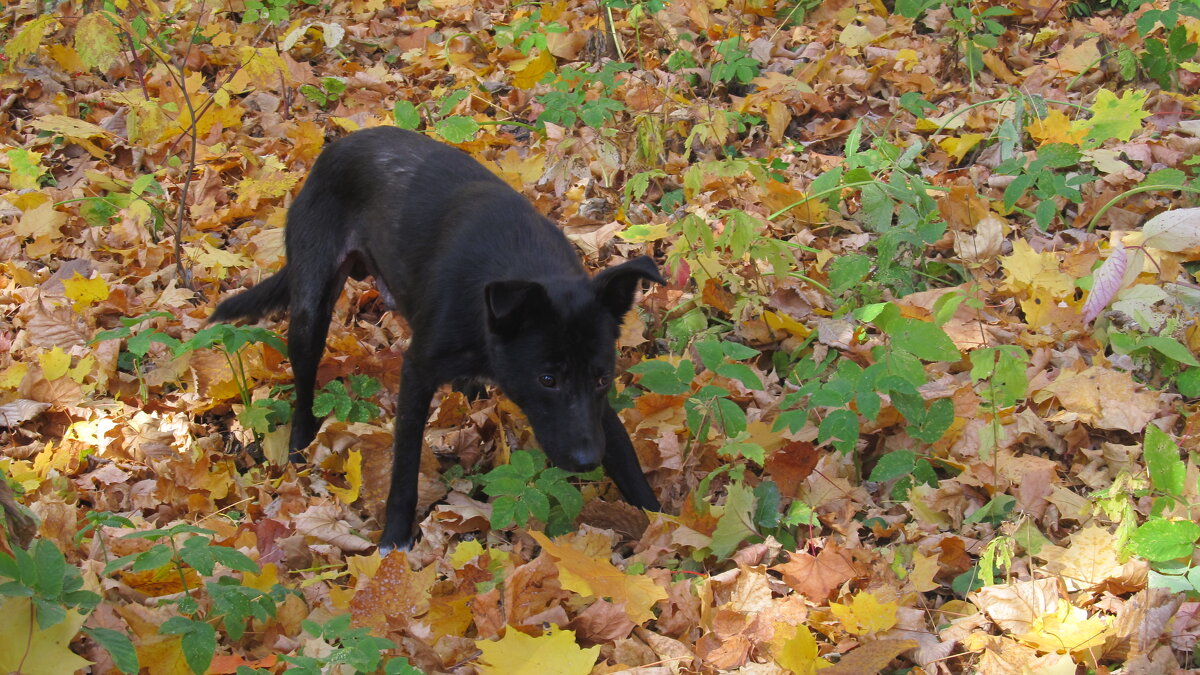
(527, 488)
(270, 11)
(976, 31)
(348, 406)
(1160, 58)
(354, 648)
(568, 101)
(328, 92)
(1038, 178)
(233, 604)
(736, 63)
(527, 32)
(841, 390)
(261, 416)
(137, 346)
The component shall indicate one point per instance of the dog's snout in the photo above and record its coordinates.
(582, 460)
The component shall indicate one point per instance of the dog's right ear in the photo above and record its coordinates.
(512, 304)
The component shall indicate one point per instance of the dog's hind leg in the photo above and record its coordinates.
(315, 289)
(621, 463)
(412, 410)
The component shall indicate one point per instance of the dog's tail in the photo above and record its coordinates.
(268, 296)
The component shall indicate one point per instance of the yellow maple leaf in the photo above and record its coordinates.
(55, 363)
(925, 568)
(782, 322)
(465, 552)
(263, 581)
(10, 377)
(1117, 118)
(529, 71)
(519, 654)
(85, 292)
(799, 654)
(30, 650)
(1027, 269)
(41, 221)
(1068, 629)
(585, 575)
(1056, 127)
(353, 467)
(865, 614)
(163, 655)
(214, 258)
(960, 146)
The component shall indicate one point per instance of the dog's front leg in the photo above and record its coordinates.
(412, 409)
(621, 463)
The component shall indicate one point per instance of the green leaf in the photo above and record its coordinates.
(406, 115)
(1170, 348)
(735, 522)
(766, 504)
(660, 377)
(233, 559)
(457, 128)
(1188, 383)
(894, 465)
(1167, 470)
(510, 487)
(537, 502)
(118, 646)
(199, 641)
(841, 425)
(1160, 540)
(1059, 155)
(937, 420)
(923, 340)
(848, 270)
(504, 512)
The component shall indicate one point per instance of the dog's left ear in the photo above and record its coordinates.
(615, 286)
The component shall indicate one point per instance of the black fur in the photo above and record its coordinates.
(492, 290)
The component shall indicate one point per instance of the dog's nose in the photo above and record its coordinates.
(582, 461)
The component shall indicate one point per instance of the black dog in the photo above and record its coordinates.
(491, 289)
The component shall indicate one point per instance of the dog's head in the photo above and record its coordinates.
(552, 350)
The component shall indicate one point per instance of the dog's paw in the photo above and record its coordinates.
(387, 544)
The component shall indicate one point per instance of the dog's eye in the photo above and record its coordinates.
(547, 381)
(603, 381)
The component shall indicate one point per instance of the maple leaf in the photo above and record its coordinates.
(865, 615)
(817, 576)
(597, 577)
(394, 594)
(799, 654)
(85, 292)
(519, 654)
(1117, 118)
(30, 650)
(353, 468)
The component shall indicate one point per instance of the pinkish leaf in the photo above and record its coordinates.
(1106, 281)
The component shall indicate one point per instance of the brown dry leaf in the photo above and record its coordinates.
(817, 576)
(1016, 607)
(1089, 560)
(395, 597)
(1104, 398)
(323, 522)
(871, 656)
